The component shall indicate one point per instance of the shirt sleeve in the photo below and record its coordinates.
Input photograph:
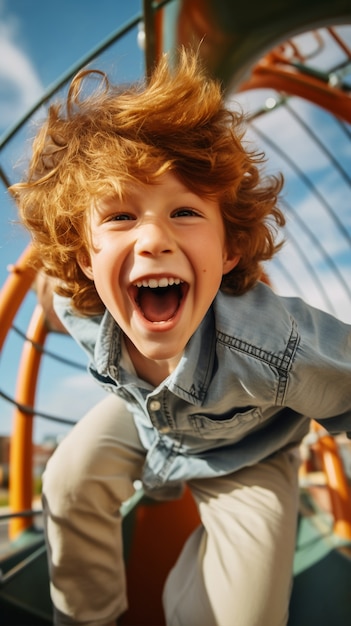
(84, 330)
(319, 383)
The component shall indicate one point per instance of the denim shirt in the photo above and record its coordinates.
(254, 373)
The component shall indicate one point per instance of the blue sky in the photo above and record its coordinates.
(37, 46)
(38, 42)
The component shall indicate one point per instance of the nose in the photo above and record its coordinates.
(154, 239)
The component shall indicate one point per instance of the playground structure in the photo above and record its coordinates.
(256, 48)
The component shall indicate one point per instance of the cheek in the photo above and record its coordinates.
(109, 278)
(211, 255)
(211, 272)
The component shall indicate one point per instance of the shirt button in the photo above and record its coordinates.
(155, 405)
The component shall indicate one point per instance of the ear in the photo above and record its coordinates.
(85, 264)
(229, 262)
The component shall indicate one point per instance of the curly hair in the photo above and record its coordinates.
(104, 139)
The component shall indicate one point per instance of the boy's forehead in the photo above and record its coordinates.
(131, 187)
(131, 190)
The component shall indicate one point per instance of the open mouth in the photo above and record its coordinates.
(159, 299)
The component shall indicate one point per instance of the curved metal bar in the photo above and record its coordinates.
(21, 470)
(338, 487)
(229, 65)
(14, 290)
(31, 411)
(267, 75)
(302, 176)
(232, 39)
(4, 178)
(319, 246)
(322, 147)
(49, 353)
(344, 128)
(31, 513)
(57, 85)
(310, 268)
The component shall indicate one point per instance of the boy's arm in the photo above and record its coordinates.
(44, 288)
(320, 377)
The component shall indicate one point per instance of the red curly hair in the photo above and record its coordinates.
(104, 140)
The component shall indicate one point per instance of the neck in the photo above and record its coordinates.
(150, 370)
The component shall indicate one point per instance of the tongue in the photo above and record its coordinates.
(158, 305)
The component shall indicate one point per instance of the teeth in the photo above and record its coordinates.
(153, 283)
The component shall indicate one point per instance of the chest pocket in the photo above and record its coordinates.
(232, 428)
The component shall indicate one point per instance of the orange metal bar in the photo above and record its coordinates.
(159, 20)
(289, 51)
(14, 291)
(21, 470)
(340, 42)
(339, 489)
(288, 80)
(153, 25)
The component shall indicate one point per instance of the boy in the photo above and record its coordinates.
(154, 220)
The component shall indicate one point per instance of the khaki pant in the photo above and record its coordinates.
(234, 570)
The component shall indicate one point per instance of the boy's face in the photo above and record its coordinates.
(157, 261)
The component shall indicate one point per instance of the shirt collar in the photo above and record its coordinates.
(192, 375)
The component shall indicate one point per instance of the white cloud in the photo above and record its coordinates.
(309, 290)
(70, 397)
(20, 85)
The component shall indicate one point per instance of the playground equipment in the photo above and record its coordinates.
(249, 48)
